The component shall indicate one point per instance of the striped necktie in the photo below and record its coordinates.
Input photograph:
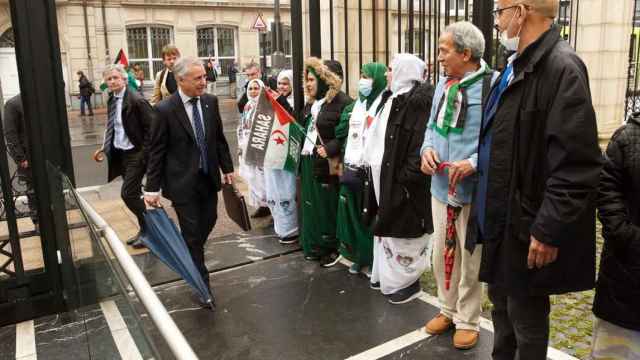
(200, 138)
(111, 121)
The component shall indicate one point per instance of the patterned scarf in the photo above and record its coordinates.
(453, 101)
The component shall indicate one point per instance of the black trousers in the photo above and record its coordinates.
(197, 217)
(133, 168)
(25, 176)
(521, 326)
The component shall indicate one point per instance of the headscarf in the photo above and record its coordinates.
(252, 102)
(376, 72)
(287, 74)
(407, 70)
(322, 86)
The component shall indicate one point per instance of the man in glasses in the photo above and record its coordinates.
(538, 172)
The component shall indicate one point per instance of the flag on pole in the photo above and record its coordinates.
(122, 59)
(275, 138)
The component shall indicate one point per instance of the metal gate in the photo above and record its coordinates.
(396, 26)
(35, 262)
(632, 96)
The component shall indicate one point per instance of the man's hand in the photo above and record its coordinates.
(152, 200)
(24, 164)
(228, 178)
(459, 170)
(541, 254)
(98, 155)
(430, 162)
(322, 151)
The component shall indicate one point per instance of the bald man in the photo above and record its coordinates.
(538, 173)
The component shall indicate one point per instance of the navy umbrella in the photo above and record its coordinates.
(164, 240)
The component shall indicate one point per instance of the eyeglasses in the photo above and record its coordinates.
(498, 12)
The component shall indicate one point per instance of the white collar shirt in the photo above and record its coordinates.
(120, 139)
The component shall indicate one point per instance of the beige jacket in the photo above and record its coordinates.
(160, 91)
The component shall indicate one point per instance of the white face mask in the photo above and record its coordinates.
(365, 86)
(511, 44)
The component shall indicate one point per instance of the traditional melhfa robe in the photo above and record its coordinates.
(397, 262)
(253, 175)
(356, 240)
(281, 189)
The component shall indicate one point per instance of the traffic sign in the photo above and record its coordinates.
(259, 24)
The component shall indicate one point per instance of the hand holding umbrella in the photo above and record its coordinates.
(453, 211)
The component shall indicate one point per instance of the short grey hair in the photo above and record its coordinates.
(184, 64)
(467, 36)
(117, 67)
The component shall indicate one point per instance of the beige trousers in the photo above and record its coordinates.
(463, 301)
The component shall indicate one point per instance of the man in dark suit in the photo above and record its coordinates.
(127, 131)
(15, 133)
(186, 153)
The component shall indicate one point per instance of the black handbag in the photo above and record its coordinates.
(369, 201)
(353, 177)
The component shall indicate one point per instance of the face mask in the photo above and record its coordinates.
(511, 44)
(365, 86)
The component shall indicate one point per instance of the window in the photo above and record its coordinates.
(218, 43)
(145, 45)
(7, 40)
(266, 39)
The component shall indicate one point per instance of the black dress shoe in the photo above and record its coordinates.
(138, 244)
(134, 238)
(261, 212)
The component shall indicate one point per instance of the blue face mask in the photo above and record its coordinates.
(365, 87)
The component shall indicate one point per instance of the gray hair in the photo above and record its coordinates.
(184, 64)
(467, 36)
(117, 67)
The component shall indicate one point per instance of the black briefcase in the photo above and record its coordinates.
(236, 206)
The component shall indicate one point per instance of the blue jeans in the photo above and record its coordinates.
(87, 100)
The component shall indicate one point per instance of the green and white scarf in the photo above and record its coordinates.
(451, 104)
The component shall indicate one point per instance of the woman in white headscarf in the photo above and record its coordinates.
(285, 90)
(253, 175)
(392, 150)
(281, 184)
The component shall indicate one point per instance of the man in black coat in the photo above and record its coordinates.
(15, 133)
(618, 288)
(86, 90)
(186, 153)
(126, 134)
(538, 171)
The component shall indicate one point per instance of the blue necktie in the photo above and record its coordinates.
(111, 121)
(200, 138)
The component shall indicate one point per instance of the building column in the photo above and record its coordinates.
(604, 30)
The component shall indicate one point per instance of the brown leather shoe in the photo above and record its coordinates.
(465, 339)
(438, 325)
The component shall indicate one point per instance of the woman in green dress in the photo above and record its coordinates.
(356, 239)
(319, 185)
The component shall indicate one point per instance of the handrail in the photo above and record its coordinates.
(157, 312)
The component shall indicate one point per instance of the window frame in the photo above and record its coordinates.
(150, 59)
(217, 56)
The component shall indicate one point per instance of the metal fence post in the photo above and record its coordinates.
(315, 39)
(483, 19)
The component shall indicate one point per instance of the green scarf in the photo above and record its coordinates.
(452, 95)
(376, 72)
